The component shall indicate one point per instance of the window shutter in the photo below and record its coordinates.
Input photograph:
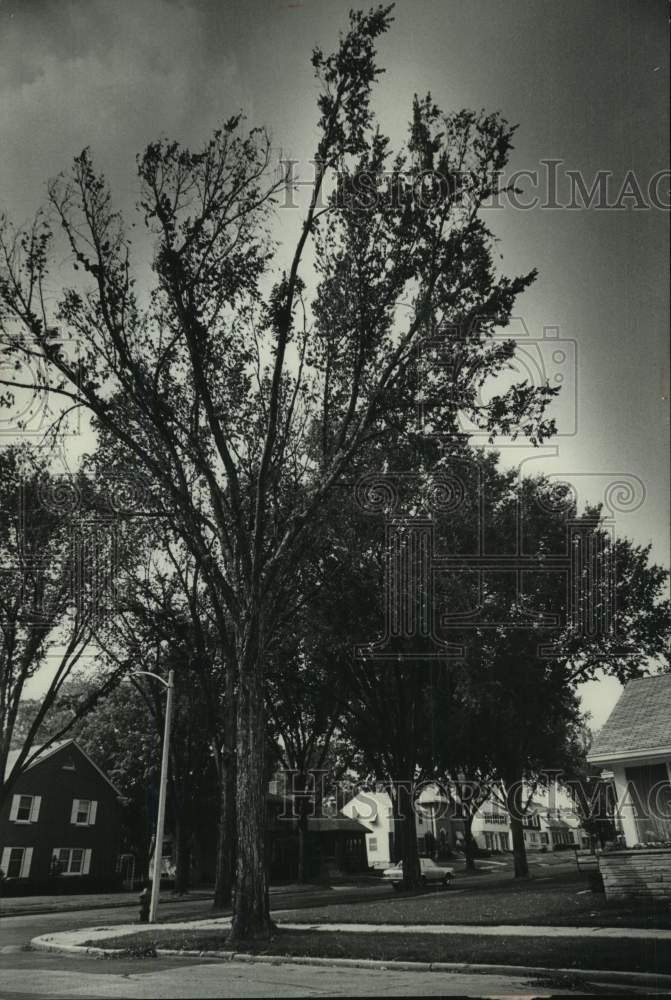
(86, 865)
(92, 812)
(27, 860)
(35, 808)
(75, 810)
(4, 861)
(14, 811)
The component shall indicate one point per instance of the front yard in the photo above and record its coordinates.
(563, 901)
(555, 953)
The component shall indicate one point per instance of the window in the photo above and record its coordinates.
(372, 843)
(71, 860)
(15, 861)
(83, 812)
(25, 808)
(545, 839)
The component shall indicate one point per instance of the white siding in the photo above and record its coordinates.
(27, 861)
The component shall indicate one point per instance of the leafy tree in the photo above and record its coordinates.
(241, 401)
(522, 666)
(504, 714)
(54, 584)
(167, 623)
(305, 705)
(594, 798)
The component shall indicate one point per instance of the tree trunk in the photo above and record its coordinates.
(182, 857)
(514, 794)
(223, 882)
(225, 864)
(251, 914)
(469, 843)
(408, 831)
(303, 807)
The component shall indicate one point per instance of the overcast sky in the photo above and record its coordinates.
(586, 81)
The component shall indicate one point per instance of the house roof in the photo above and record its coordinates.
(557, 824)
(342, 824)
(44, 753)
(33, 758)
(639, 724)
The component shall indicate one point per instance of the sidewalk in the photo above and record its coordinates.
(423, 978)
(14, 906)
(74, 940)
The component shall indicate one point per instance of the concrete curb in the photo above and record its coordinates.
(50, 943)
(531, 972)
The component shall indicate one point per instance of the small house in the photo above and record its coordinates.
(438, 827)
(60, 827)
(634, 747)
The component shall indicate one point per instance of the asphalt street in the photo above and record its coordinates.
(18, 930)
(24, 973)
(50, 976)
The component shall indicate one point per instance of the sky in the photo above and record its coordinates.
(586, 80)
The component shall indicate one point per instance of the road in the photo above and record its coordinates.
(56, 976)
(26, 974)
(16, 931)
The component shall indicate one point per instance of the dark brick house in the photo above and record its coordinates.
(60, 828)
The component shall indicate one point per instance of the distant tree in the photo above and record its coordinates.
(593, 797)
(504, 714)
(50, 601)
(166, 623)
(305, 706)
(519, 678)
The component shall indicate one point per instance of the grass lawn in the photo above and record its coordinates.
(575, 953)
(561, 901)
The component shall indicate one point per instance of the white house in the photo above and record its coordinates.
(545, 827)
(375, 811)
(438, 828)
(635, 746)
(490, 827)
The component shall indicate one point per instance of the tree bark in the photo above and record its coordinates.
(514, 796)
(225, 865)
(303, 807)
(469, 843)
(251, 913)
(182, 856)
(408, 830)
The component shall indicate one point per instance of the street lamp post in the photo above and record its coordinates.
(160, 819)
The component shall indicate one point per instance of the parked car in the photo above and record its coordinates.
(430, 872)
